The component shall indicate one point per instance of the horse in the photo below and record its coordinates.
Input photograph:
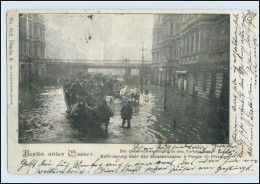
(82, 114)
(137, 97)
(125, 94)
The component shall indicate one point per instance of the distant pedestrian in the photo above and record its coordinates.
(68, 99)
(126, 114)
(146, 93)
(133, 96)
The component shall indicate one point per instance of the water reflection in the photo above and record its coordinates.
(43, 119)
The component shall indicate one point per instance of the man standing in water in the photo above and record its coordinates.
(104, 113)
(126, 114)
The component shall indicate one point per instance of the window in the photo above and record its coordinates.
(43, 51)
(35, 50)
(175, 52)
(171, 56)
(195, 82)
(35, 32)
(24, 48)
(40, 30)
(204, 82)
(31, 30)
(177, 27)
(31, 48)
(198, 42)
(179, 56)
(191, 44)
(171, 28)
(194, 43)
(183, 48)
(187, 46)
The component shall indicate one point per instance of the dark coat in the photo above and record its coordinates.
(126, 111)
(66, 86)
(104, 112)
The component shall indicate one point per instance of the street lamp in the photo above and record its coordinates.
(142, 71)
(165, 86)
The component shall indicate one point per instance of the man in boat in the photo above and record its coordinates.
(126, 114)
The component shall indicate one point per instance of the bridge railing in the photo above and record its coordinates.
(98, 62)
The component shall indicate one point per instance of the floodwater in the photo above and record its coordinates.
(43, 119)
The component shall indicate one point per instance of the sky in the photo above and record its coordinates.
(102, 36)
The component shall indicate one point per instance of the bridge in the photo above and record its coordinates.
(56, 68)
(102, 64)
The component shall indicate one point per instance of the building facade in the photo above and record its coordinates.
(31, 47)
(191, 53)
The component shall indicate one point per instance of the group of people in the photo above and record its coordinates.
(73, 92)
(135, 96)
(84, 108)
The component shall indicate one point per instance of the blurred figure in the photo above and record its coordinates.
(146, 93)
(73, 93)
(133, 96)
(104, 113)
(67, 95)
(126, 114)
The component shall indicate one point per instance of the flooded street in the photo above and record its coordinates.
(43, 119)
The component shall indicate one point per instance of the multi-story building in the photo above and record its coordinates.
(31, 46)
(191, 52)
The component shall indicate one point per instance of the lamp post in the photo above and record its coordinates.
(165, 86)
(165, 89)
(142, 71)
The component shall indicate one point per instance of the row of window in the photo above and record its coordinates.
(32, 49)
(33, 30)
(36, 31)
(190, 44)
(209, 40)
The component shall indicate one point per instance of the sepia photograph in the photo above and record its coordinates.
(124, 78)
(152, 91)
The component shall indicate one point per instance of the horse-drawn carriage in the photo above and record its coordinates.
(83, 109)
(87, 116)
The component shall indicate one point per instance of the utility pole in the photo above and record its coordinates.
(142, 70)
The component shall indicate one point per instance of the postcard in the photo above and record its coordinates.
(132, 91)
